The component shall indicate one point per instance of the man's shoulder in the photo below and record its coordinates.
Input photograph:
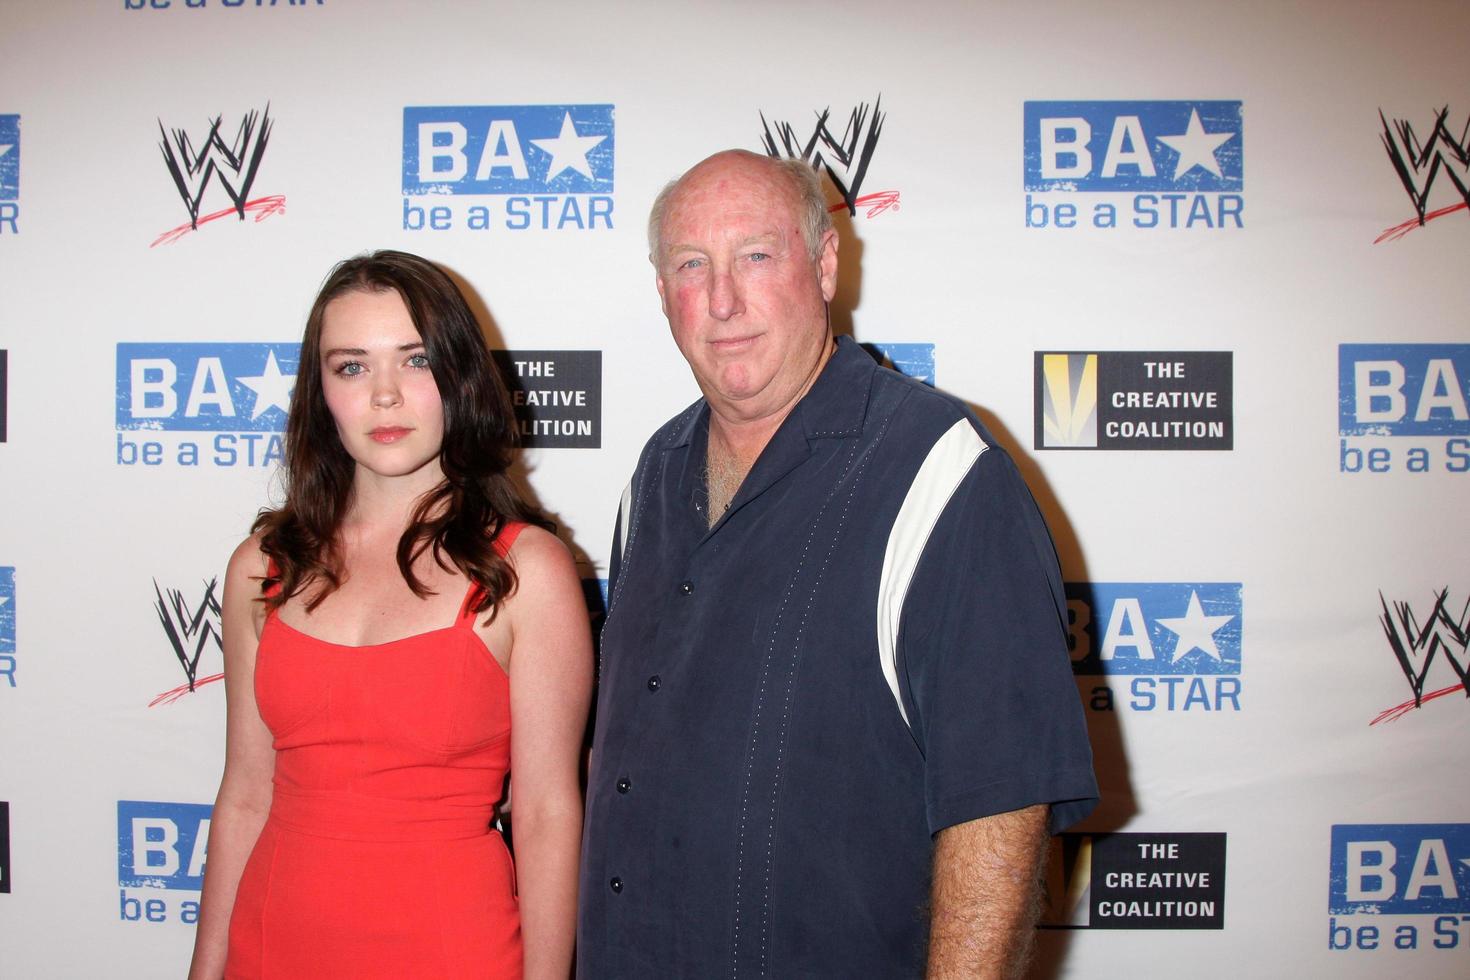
(918, 413)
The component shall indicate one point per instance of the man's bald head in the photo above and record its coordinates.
(801, 181)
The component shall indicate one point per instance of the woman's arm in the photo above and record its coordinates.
(245, 790)
(550, 690)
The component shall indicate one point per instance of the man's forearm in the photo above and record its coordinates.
(986, 894)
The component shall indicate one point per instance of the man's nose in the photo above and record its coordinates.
(725, 299)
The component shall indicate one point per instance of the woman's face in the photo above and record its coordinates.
(378, 386)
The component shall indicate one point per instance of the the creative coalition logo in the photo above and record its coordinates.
(192, 626)
(1403, 408)
(1178, 644)
(1399, 886)
(220, 159)
(9, 173)
(557, 396)
(1443, 157)
(845, 158)
(4, 848)
(548, 167)
(1421, 639)
(7, 626)
(1134, 400)
(1135, 881)
(213, 404)
(911, 360)
(1141, 164)
(161, 852)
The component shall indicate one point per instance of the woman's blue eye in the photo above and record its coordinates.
(419, 361)
(350, 369)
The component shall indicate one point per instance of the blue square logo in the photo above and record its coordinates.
(520, 149)
(7, 610)
(9, 158)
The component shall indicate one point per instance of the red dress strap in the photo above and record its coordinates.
(271, 571)
(507, 536)
(502, 543)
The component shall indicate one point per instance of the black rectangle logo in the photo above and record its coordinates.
(1141, 400)
(1136, 881)
(5, 848)
(557, 395)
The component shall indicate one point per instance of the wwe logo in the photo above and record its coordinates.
(235, 165)
(845, 160)
(1420, 162)
(1442, 634)
(189, 631)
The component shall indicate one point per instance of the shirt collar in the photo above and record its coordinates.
(834, 408)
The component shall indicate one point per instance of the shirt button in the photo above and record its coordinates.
(616, 885)
(624, 784)
(653, 683)
(686, 587)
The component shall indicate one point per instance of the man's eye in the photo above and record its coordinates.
(691, 264)
(758, 256)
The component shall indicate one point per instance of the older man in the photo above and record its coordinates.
(836, 706)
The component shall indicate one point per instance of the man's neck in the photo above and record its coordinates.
(735, 444)
(724, 471)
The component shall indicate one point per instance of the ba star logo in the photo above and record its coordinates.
(1170, 164)
(508, 167)
(9, 157)
(1399, 887)
(213, 404)
(1173, 646)
(7, 626)
(533, 149)
(9, 173)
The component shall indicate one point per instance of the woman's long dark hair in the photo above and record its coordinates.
(460, 518)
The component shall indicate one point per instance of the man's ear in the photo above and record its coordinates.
(827, 264)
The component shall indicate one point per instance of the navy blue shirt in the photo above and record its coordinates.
(868, 647)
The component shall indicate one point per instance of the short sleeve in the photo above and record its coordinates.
(982, 659)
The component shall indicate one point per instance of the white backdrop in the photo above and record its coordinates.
(99, 783)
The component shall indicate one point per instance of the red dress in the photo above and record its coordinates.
(378, 859)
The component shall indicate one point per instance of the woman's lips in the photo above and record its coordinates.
(389, 433)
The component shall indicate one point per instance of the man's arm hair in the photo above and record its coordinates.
(987, 895)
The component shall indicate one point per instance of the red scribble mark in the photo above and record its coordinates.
(263, 207)
(875, 203)
(169, 697)
(1398, 711)
(1399, 231)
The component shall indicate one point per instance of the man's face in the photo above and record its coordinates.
(745, 300)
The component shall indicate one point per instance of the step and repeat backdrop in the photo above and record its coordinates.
(1200, 268)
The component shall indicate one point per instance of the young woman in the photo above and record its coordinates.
(397, 636)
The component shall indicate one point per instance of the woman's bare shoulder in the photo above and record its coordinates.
(538, 551)
(248, 562)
